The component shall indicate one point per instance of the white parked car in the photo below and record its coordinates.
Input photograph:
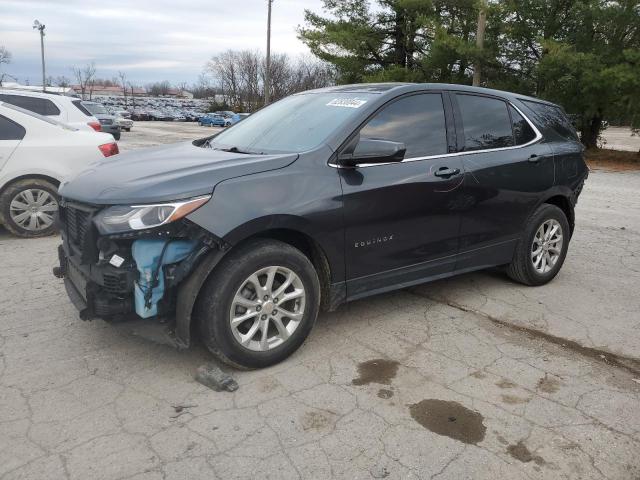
(64, 109)
(36, 154)
(124, 123)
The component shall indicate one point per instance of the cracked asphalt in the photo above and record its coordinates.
(473, 377)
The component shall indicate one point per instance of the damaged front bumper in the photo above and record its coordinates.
(133, 275)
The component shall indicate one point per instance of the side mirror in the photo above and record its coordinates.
(368, 150)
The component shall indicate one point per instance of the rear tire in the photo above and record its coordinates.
(279, 315)
(543, 247)
(116, 135)
(29, 207)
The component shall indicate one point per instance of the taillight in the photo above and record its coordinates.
(109, 149)
(95, 125)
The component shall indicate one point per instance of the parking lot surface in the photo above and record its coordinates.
(620, 138)
(472, 377)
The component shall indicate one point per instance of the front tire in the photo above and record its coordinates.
(543, 247)
(259, 305)
(29, 206)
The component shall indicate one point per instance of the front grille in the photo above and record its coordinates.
(78, 224)
(115, 284)
(106, 121)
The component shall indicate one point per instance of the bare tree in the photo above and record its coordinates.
(85, 78)
(62, 81)
(240, 76)
(5, 57)
(123, 83)
(182, 86)
(159, 88)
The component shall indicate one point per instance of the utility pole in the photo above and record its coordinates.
(40, 27)
(482, 23)
(267, 74)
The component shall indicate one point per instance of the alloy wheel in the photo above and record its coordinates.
(546, 247)
(33, 209)
(267, 308)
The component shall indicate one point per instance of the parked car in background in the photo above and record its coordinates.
(107, 121)
(64, 109)
(124, 123)
(36, 153)
(318, 199)
(139, 114)
(160, 115)
(214, 120)
(122, 113)
(238, 117)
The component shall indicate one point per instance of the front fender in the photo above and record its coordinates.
(188, 294)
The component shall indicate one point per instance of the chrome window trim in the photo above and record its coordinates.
(537, 138)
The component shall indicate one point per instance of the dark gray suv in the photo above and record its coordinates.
(321, 198)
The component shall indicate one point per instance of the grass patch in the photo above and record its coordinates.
(618, 160)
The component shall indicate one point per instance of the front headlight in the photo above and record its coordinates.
(122, 218)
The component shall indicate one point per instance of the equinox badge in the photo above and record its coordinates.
(373, 241)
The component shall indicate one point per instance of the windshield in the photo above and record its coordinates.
(95, 108)
(294, 124)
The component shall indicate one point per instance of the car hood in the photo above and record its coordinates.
(164, 173)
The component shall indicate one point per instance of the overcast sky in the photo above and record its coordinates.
(147, 39)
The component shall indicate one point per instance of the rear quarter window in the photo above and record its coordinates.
(553, 117)
(10, 130)
(42, 106)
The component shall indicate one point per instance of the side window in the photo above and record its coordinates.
(417, 121)
(485, 121)
(43, 106)
(553, 117)
(10, 130)
(522, 131)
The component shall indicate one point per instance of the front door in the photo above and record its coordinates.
(401, 219)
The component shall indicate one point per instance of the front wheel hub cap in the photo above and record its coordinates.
(33, 209)
(254, 320)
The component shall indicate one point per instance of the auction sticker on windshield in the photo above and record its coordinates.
(346, 102)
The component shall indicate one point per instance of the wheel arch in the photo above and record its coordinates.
(563, 202)
(29, 176)
(36, 176)
(189, 291)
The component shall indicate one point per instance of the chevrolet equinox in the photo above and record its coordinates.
(321, 198)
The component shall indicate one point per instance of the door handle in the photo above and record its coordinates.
(446, 172)
(534, 158)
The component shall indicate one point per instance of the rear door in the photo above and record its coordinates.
(507, 168)
(401, 220)
(11, 134)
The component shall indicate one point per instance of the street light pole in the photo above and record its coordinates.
(267, 74)
(40, 27)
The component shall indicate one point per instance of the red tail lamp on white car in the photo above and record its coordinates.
(109, 149)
